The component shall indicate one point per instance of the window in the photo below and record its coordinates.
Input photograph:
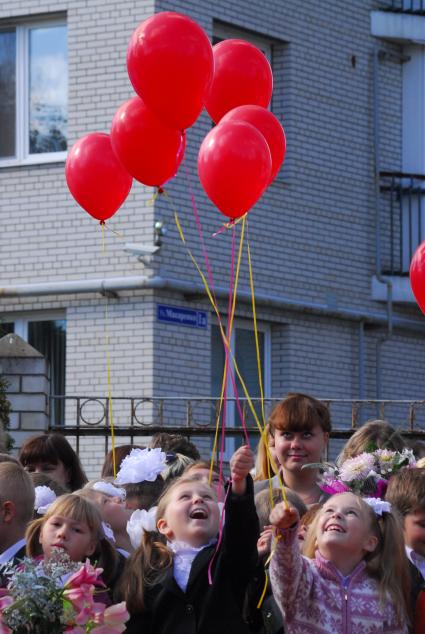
(244, 352)
(47, 334)
(34, 89)
(227, 32)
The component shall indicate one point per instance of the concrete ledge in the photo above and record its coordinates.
(402, 291)
(398, 27)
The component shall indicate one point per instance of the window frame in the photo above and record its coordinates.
(22, 155)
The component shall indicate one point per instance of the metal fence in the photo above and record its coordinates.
(415, 7)
(403, 219)
(136, 417)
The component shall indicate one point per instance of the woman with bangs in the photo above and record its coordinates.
(300, 426)
(52, 455)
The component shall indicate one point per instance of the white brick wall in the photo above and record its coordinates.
(312, 235)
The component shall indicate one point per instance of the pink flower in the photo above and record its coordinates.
(81, 596)
(75, 630)
(87, 574)
(334, 486)
(381, 489)
(114, 618)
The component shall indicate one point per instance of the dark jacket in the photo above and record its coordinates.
(204, 608)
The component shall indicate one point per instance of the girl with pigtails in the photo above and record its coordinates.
(189, 577)
(354, 577)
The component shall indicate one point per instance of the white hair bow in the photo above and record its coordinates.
(139, 522)
(378, 505)
(44, 497)
(141, 465)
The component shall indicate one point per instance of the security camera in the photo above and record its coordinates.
(140, 250)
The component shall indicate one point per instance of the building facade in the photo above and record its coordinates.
(331, 239)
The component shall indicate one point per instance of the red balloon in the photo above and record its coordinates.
(269, 126)
(242, 75)
(417, 276)
(149, 150)
(170, 64)
(95, 177)
(234, 166)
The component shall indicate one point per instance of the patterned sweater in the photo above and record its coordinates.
(315, 599)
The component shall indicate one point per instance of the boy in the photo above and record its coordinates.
(406, 492)
(16, 510)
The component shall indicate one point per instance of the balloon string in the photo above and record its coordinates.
(102, 224)
(214, 305)
(229, 225)
(267, 562)
(108, 374)
(220, 536)
(210, 278)
(116, 233)
(235, 365)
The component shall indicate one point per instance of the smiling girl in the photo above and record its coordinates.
(182, 580)
(354, 578)
(300, 426)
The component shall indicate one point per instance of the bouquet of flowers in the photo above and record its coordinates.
(366, 474)
(55, 597)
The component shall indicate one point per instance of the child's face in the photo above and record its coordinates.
(74, 537)
(57, 471)
(344, 528)
(192, 514)
(200, 473)
(297, 448)
(414, 531)
(113, 511)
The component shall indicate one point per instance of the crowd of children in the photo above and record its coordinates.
(270, 551)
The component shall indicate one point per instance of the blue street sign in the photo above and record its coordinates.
(182, 316)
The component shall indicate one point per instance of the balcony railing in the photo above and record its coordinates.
(135, 418)
(402, 219)
(412, 7)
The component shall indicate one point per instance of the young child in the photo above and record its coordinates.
(110, 501)
(375, 434)
(166, 583)
(268, 617)
(406, 492)
(16, 510)
(358, 580)
(74, 525)
(53, 455)
(300, 425)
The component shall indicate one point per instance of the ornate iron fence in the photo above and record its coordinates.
(137, 417)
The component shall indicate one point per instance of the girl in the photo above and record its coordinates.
(300, 425)
(111, 504)
(166, 583)
(376, 434)
(358, 581)
(53, 455)
(74, 525)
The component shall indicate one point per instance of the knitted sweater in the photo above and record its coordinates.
(314, 598)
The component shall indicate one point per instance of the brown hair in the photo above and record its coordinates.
(375, 434)
(264, 503)
(299, 412)
(150, 560)
(121, 452)
(406, 491)
(42, 479)
(80, 509)
(53, 448)
(145, 493)
(387, 564)
(16, 486)
(175, 443)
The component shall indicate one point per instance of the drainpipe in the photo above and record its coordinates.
(196, 290)
(377, 55)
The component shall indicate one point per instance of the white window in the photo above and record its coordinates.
(47, 334)
(243, 348)
(34, 92)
